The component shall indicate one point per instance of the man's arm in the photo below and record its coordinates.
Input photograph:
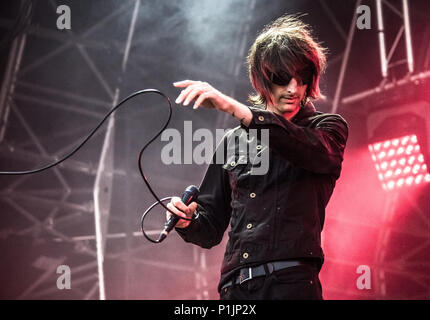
(318, 148)
(214, 210)
(207, 96)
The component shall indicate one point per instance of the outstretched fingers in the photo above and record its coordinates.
(184, 83)
(191, 91)
(200, 99)
(184, 93)
(196, 91)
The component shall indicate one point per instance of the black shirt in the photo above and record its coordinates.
(280, 214)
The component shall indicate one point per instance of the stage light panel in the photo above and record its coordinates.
(399, 162)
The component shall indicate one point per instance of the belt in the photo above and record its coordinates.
(249, 273)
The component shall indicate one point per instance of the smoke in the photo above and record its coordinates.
(202, 37)
(212, 24)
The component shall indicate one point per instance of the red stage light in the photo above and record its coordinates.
(399, 162)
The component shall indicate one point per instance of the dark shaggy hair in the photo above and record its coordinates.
(285, 48)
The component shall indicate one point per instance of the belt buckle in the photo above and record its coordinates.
(242, 279)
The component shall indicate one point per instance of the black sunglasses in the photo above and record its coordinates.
(283, 78)
(280, 79)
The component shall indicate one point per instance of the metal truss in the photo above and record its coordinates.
(69, 209)
(399, 267)
(387, 63)
(408, 266)
(400, 255)
(62, 212)
(388, 80)
(54, 193)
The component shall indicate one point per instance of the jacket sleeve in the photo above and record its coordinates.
(317, 147)
(214, 210)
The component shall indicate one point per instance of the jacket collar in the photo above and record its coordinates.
(305, 112)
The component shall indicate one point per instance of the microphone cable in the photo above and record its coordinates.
(131, 96)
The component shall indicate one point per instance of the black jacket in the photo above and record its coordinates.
(278, 215)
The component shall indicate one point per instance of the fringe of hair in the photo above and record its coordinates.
(287, 46)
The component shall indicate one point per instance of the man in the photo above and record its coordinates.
(274, 248)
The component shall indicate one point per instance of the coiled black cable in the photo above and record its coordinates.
(159, 201)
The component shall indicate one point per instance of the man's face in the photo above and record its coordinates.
(287, 98)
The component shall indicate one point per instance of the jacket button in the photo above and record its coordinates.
(261, 118)
(233, 163)
(252, 195)
(245, 255)
(249, 226)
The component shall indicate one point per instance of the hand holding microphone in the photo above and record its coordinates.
(184, 207)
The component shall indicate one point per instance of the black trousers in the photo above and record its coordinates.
(294, 283)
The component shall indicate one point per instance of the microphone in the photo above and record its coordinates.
(190, 194)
